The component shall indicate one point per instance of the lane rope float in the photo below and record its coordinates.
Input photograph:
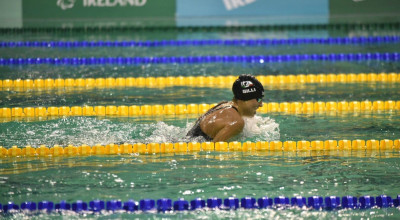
(216, 42)
(194, 81)
(183, 109)
(303, 146)
(260, 59)
(100, 29)
(214, 203)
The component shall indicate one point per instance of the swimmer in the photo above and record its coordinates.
(225, 120)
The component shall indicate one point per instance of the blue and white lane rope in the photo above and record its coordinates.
(165, 204)
(201, 59)
(217, 42)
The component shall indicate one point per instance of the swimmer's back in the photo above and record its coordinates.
(227, 124)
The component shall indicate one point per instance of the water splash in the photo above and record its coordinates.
(166, 133)
(93, 130)
(260, 128)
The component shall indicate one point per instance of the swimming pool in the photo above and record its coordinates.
(329, 125)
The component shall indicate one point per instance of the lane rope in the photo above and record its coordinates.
(298, 27)
(217, 42)
(260, 59)
(334, 146)
(194, 81)
(189, 109)
(214, 203)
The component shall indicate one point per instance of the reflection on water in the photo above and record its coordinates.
(22, 164)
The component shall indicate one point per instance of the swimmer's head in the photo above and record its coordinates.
(247, 87)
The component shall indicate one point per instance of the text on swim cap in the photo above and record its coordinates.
(249, 90)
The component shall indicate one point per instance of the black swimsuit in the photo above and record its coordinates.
(196, 129)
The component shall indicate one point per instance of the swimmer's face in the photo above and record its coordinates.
(251, 106)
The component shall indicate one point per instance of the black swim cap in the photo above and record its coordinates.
(247, 87)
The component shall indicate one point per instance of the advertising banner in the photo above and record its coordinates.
(98, 12)
(226, 12)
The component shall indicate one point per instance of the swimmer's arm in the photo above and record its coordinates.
(229, 131)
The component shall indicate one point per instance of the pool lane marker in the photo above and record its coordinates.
(193, 81)
(390, 26)
(255, 59)
(330, 107)
(214, 203)
(261, 148)
(211, 42)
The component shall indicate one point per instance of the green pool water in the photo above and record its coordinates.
(201, 174)
(205, 175)
(99, 130)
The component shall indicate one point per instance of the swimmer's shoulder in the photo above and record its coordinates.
(233, 118)
(224, 116)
